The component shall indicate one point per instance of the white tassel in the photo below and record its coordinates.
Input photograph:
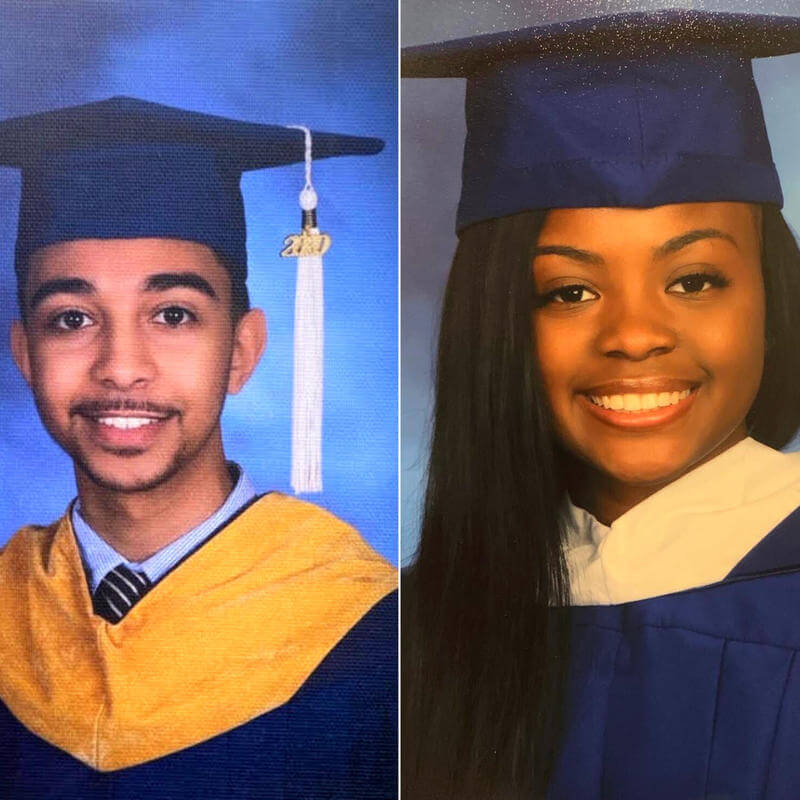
(307, 397)
(308, 247)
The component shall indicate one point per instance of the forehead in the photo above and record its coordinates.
(648, 227)
(124, 263)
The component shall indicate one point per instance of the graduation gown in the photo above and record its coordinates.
(263, 666)
(694, 693)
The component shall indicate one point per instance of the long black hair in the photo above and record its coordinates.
(485, 623)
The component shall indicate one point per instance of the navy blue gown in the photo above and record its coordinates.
(690, 695)
(336, 738)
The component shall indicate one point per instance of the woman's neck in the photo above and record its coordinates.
(608, 498)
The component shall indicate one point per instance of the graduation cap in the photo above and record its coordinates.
(636, 109)
(125, 168)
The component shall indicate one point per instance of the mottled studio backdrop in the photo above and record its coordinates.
(329, 64)
(432, 136)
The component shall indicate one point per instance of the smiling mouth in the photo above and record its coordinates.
(125, 434)
(616, 405)
(123, 412)
(631, 403)
(127, 423)
(124, 424)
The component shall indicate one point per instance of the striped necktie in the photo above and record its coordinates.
(118, 592)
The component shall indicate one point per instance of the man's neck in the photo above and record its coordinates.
(139, 524)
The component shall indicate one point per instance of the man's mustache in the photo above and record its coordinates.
(89, 408)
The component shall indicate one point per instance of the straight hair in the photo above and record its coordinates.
(485, 633)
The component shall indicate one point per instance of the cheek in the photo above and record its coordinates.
(57, 374)
(559, 351)
(732, 345)
(197, 369)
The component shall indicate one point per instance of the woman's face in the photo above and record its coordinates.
(650, 333)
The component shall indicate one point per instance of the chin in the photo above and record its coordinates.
(650, 474)
(647, 465)
(127, 475)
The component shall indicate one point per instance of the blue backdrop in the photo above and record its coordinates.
(328, 64)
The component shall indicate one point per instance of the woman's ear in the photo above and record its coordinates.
(249, 340)
(19, 350)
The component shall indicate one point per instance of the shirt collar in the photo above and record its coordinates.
(99, 556)
(691, 533)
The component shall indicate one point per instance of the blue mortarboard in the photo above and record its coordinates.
(639, 109)
(126, 168)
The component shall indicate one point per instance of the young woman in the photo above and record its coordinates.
(599, 602)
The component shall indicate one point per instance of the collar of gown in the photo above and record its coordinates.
(691, 533)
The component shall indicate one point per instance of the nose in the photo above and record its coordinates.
(124, 360)
(636, 328)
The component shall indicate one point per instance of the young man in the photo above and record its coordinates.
(173, 631)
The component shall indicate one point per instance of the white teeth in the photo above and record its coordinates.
(125, 423)
(649, 401)
(632, 403)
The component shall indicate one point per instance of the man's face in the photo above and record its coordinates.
(129, 349)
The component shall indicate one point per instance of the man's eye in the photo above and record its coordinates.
(72, 320)
(174, 316)
(575, 293)
(696, 283)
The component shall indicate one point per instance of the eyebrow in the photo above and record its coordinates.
(155, 283)
(60, 286)
(584, 256)
(171, 280)
(668, 248)
(685, 239)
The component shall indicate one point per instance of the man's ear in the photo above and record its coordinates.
(19, 350)
(249, 340)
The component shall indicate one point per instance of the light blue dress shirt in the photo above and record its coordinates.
(99, 556)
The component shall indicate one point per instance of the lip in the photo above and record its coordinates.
(640, 420)
(108, 437)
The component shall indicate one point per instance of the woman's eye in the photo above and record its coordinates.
(72, 320)
(696, 283)
(174, 316)
(575, 293)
